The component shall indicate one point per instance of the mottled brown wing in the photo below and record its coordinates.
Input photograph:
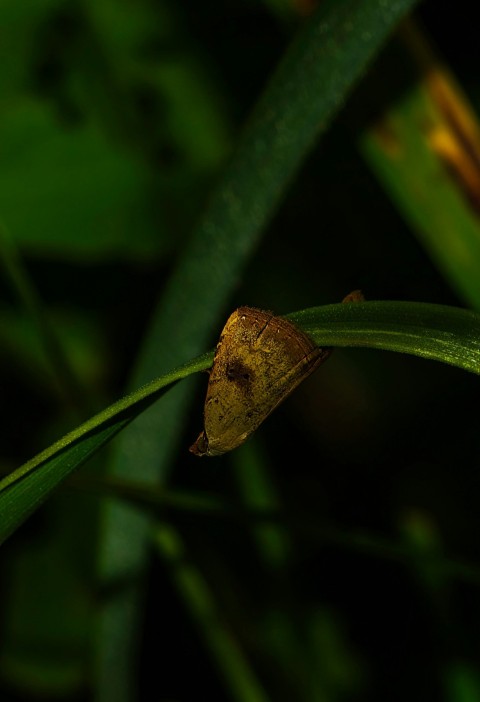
(260, 359)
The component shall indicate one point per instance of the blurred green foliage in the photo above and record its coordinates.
(333, 557)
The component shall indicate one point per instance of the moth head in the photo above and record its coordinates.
(200, 447)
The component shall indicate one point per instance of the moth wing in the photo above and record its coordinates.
(259, 361)
(231, 392)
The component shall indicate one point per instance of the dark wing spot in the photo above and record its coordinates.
(238, 373)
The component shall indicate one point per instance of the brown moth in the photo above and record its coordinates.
(259, 360)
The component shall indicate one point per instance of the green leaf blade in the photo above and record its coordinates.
(24, 490)
(438, 332)
(409, 146)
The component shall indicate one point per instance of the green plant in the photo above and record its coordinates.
(240, 538)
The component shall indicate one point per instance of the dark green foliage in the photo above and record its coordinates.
(161, 164)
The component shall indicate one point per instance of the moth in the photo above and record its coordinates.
(259, 360)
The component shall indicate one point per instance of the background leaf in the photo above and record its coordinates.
(337, 548)
(308, 87)
(444, 151)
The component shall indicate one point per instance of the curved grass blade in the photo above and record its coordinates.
(447, 334)
(22, 491)
(311, 84)
(438, 332)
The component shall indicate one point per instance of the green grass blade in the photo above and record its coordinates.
(438, 332)
(424, 147)
(68, 385)
(311, 84)
(258, 491)
(210, 506)
(200, 602)
(26, 488)
(447, 334)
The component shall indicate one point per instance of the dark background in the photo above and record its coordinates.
(116, 120)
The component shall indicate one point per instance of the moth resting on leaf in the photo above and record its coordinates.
(259, 360)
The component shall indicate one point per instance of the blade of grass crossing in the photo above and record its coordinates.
(26, 488)
(310, 85)
(241, 681)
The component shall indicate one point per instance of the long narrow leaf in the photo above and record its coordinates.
(22, 491)
(312, 82)
(204, 610)
(439, 332)
(447, 334)
(307, 90)
(424, 147)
